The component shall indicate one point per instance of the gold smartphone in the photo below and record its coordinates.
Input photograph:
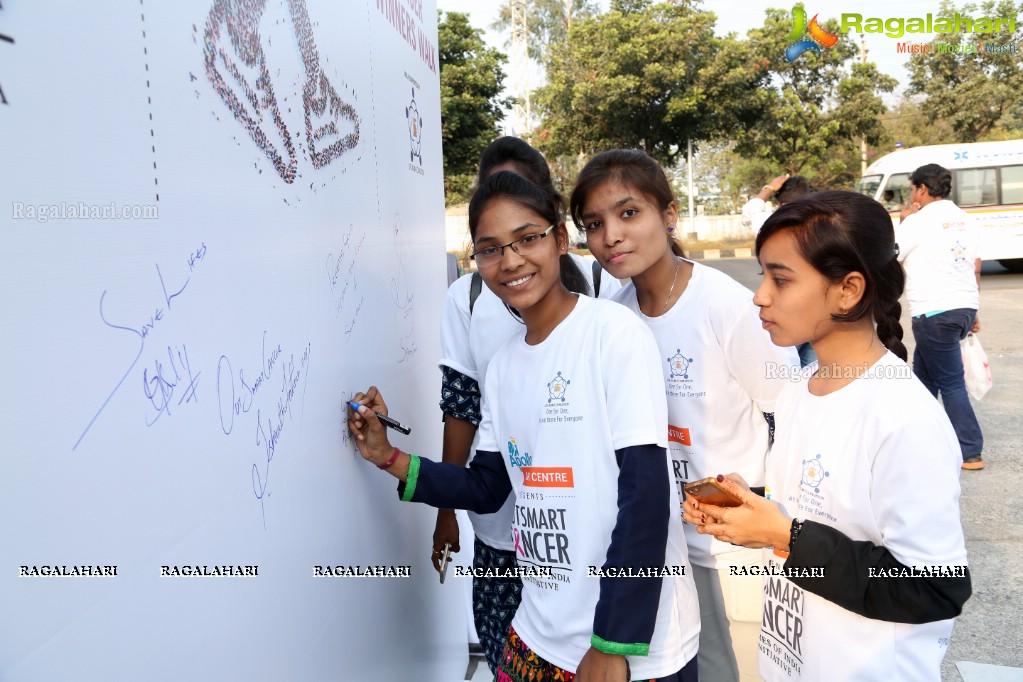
(709, 491)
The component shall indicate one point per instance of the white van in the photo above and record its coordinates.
(987, 183)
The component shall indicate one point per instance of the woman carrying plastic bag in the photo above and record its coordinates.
(976, 367)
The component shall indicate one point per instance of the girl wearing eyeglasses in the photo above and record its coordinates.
(574, 421)
(474, 325)
(722, 375)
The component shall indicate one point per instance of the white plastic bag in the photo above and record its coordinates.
(976, 367)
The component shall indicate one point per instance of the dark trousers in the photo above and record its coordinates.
(938, 362)
(494, 600)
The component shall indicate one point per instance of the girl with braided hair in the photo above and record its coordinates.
(865, 560)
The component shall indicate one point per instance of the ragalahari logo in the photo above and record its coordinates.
(819, 38)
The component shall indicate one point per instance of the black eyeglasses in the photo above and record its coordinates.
(491, 254)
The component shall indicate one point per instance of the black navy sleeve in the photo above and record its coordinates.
(855, 578)
(460, 396)
(769, 418)
(482, 487)
(626, 611)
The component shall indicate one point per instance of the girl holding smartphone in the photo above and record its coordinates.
(868, 566)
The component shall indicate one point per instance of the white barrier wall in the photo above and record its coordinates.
(219, 220)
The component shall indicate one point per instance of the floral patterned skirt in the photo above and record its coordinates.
(520, 664)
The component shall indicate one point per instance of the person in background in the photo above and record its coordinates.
(474, 324)
(721, 369)
(868, 566)
(574, 420)
(890, 201)
(784, 188)
(938, 247)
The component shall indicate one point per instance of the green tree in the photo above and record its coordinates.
(648, 76)
(547, 22)
(818, 108)
(471, 80)
(718, 167)
(977, 93)
(907, 122)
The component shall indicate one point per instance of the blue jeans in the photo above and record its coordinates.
(807, 355)
(938, 362)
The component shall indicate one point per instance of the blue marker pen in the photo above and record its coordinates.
(384, 419)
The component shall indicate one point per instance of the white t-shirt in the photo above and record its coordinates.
(722, 371)
(563, 407)
(938, 247)
(755, 213)
(468, 342)
(879, 461)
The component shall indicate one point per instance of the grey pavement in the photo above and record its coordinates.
(988, 631)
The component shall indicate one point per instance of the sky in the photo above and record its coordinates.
(739, 16)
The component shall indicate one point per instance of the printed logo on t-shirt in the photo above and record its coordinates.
(557, 387)
(781, 633)
(679, 365)
(516, 459)
(680, 377)
(811, 501)
(548, 477)
(679, 434)
(557, 409)
(540, 536)
(680, 456)
(813, 473)
(958, 253)
(680, 467)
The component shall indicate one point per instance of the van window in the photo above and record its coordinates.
(868, 185)
(1012, 185)
(896, 192)
(976, 187)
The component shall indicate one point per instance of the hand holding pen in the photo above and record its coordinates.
(364, 421)
(387, 421)
(370, 433)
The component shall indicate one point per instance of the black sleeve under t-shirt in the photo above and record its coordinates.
(847, 579)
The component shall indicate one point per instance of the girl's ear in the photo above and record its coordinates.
(850, 291)
(562, 232)
(670, 216)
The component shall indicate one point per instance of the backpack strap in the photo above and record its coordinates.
(475, 286)
(596, 278)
